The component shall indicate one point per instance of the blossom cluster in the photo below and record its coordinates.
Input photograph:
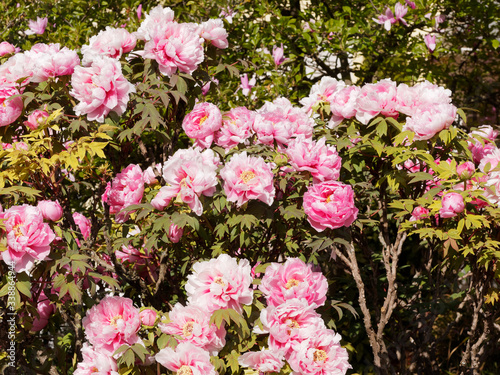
(427, 107)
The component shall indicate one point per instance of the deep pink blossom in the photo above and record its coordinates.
(186, 359)
(430, 42)
(386, 19)
(174, 46)
(11, 104)
(100, 88)
(377, 98)
(246, 85)
(45, 308)
(126, 189)
(51, 210)
(220, 283)
(191, 324)
(419, 213)
(481, 142)
(321, 354)
(330, 205)
(213, 31)
(237, 128)
(318, 158)
(278, 55)
(451, 205)
(248, 177)
(466, 170)
(202, 123)
(36, 118)
(343, 105)
(83, 224)
(37, 27)
(400, 11)
(263, 361)
(6, 49)
(112, 323)
(293, 279)
(111, 42)
(96, 362)
(28, 237)
(139, 11)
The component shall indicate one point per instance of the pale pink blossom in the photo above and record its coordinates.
(130, 254)
(419, 213)
(290, 323)
(330, 205)
(318, 158)
(248, 177)
(186, 359)
(96, 362)
(278, 55)
(189, 174)
(451, 205)
(376, 98)
(321, 354)
(228, 14)
(420, 97)
(481, 142)
(11, 104)
(175, 233)
(263, 361)
(427, 121)
(490, 160)
(156, 17)
(148, 317)
(16, 67)
(151, 173)
(213, 31)
(28, 238)
(440, 18)
(411, 4)
(174, 46)
(237, 128)
(51, 61)
(191, 324)
(37, 27)
(139, 11)
(112, 323)
(36, 118)
(51, 210)
(6, 49)
(293, 279)
(386, 19)
(83, 224)
(126, 189)
(111, 42)
(466, 170)
(321, 93)
(202, 123)
(220, 283)
(247, 85)
(430, 42)
(400, 11)
(45, 308)
(100, 89)
(343, 105)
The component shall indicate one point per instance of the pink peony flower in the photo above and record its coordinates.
(45, 309)
(148, 317)
(321, 160)
(11, 104)
(189, 174)
(126, 189)
(96, 362)
(156, 17)
(28, 237)
(150, 174)
(237, 127)
(293, 279)
(377, 98)
(174, 46)
(175, 233)
(466, 170)
(213, 31)
(202, 122)
(248, 177)
(50, 61)
(36, 118)
(16, 67)
(6, 49)
(420, 97)
(187, 359)
(426, 122)
(290, 323)
(112, 323)
(278, 53)
(111, 42)
(321, 93)
(490, 160)
(263, 361)
(321, 354)
(51, 210)
(100, 88)
(430, 42)
(246, 85)
(451, 205)
(83, 224)
(192, 324)
(419, 213)
(220, 283)
(37, 27)
(330, 205)
(343, 105)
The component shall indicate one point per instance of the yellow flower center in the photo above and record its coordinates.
(94, 369)
(293, 323)
(328, 199)
(291, 283)
(320, 356)
(187, 330)
(203, 119)
(219, 281)
(185, 370)
(114, 319)
(17, 230)
(247, 176)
